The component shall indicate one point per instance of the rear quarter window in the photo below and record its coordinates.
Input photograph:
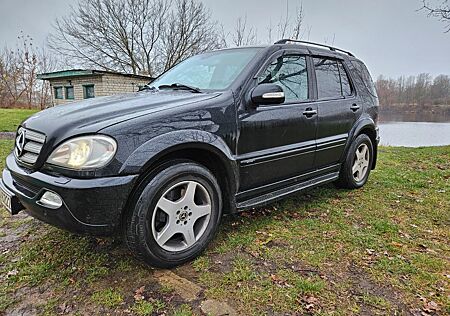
(362, 73)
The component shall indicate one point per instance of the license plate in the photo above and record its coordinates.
(5, 200)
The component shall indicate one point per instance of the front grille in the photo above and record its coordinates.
(28, 145)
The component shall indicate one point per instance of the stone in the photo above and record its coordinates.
(188, 290)
(216, 308)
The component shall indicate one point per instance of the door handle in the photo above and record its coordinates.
(309, 112)
(355, 107)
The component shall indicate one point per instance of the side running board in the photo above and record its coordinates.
(278, 194)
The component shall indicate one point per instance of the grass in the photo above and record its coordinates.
(382, 250)
(108, 298)
(11, 118)
(145, 308)
(5, 150)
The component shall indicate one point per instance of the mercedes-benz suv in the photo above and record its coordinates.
(220, 132)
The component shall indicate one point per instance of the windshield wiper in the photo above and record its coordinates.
(147, 87)
(179, 86)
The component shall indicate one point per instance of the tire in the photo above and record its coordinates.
(183, 200)
(354, 180)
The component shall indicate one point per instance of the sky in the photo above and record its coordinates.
(390, 36)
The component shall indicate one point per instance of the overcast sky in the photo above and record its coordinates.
(390, 36)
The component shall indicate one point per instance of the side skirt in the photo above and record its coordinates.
(281, 193)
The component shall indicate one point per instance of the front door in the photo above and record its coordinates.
(276, 142)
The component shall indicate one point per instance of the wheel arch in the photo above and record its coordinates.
(364, 126)
(201, 147)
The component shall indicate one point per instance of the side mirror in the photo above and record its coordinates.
(266, 94)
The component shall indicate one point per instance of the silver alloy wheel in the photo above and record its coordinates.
(361, 162)
(181, 216)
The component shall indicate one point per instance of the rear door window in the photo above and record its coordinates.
(328, 78)
(333, 81)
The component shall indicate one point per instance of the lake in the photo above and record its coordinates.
(414, 134)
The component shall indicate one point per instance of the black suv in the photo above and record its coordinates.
(218, 133)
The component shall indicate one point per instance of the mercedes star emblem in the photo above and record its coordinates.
(20, 142)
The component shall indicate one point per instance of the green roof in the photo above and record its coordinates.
(84, 72)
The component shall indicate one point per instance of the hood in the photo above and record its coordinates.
(92, 115)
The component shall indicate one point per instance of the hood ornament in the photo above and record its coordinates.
(20, 142)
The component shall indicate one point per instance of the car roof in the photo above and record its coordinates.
(311, 47)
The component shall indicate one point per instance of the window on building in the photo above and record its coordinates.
(328, 80)
(89, 91)
(58, 92)
(289, 72)
(69, 93)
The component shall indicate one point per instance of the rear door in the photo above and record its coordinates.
(337, 107)
(277, 142)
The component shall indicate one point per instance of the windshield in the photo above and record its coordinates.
(210, 71)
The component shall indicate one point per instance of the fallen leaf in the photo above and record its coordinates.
(370, 251)
(311, 300)
(279, 280)
(138, 294)
(431, 307)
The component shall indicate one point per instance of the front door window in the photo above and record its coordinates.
(289, 72)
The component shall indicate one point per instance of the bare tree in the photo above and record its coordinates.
(243, 35)
(137, 36)
(415, 91)
(440, 11)
(46, 63)
(297, 27)
(11, 88)
(283, 23)
(189, 31)
(288, 26)
(18, 70)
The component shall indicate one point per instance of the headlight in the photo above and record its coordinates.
(85, 152)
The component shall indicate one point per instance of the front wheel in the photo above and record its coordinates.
(358, 162)
(175, 216)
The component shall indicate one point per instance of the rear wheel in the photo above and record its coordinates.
(358, 163)
(176, 215)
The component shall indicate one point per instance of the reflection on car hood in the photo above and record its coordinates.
(94, 114)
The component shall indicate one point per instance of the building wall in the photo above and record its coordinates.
(104, 85)
(77, 84)
(116, 84)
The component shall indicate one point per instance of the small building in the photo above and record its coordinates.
(78, 84)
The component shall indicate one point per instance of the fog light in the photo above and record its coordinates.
(51, 200)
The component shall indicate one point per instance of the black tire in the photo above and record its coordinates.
(346, 177)
(138, 229)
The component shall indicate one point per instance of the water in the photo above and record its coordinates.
(414, 134)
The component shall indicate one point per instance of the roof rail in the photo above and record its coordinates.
(286, 40)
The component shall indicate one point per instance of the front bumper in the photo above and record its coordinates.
(92, 206)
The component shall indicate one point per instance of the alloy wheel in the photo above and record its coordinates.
(181, 216)
(361, 162)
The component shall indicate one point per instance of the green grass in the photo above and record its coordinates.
(109, 298)
(392, 232)
(11, 118)
(5, 149)
(145, 308)
(183, 310)
(382, 249)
